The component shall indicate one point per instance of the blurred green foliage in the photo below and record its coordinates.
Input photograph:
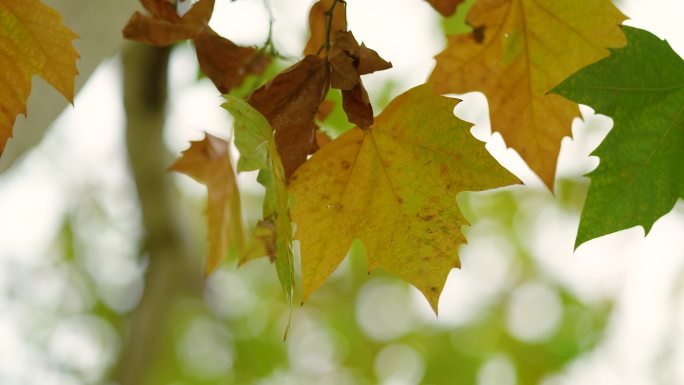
(233, 334)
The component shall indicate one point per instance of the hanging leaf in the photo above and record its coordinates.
(394, 187)
(290, 102)
(208, 162)
(641, 174)
(348, 61)
(255, 140)
(224, 62)
(164, 26)
(33, 41)
(517, 52)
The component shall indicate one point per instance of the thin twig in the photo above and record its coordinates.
(328, 28)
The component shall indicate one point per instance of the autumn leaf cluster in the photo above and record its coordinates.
(391, 182)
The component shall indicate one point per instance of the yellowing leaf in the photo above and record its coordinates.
(393, 187)
(254, 138)
(518, 51)
(33, 41)
(208, 162)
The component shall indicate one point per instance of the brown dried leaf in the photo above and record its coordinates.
(318, 22)
(445, 7)
(345, 41)
(226, 63)
(162, 9)
(208, 162)
(349, 61)
(370, 61)
(357, 106)
(343, 72)
(164, 27)
(290, 102)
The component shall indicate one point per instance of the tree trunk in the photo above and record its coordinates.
(173, 272)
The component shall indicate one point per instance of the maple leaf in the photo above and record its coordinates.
(322, 13)
(255, 140)
(641, 173)
(33, 41)
(208, 162)
(223, 61)
(518, 51)
(445, 7)
(394, 187)
(290, 102)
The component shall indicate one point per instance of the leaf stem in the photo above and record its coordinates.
(268, 46)
(328, 28)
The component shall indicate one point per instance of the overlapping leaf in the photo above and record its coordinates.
(348, 61)
(517, 52)
(224, 62)
(208, 162)
(641, 174)
(291, 101)
(255, 140)
(394, 187)
(33, 41)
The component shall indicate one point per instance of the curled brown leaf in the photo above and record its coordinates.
(357, 106)
(223, 61)
(348, 62)
(290, 102)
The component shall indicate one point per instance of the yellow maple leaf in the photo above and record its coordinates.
(33, 41)
(518, 51)
(208, 162)
(393, 187)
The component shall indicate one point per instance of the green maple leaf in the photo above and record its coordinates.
(641, 174)
(273, 236)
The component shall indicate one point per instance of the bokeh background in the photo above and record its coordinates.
(101, 252)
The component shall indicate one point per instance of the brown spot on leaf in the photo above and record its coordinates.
(426, 217)
(478, 34)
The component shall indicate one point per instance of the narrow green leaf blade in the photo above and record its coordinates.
(252, 134)
(256, 143)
